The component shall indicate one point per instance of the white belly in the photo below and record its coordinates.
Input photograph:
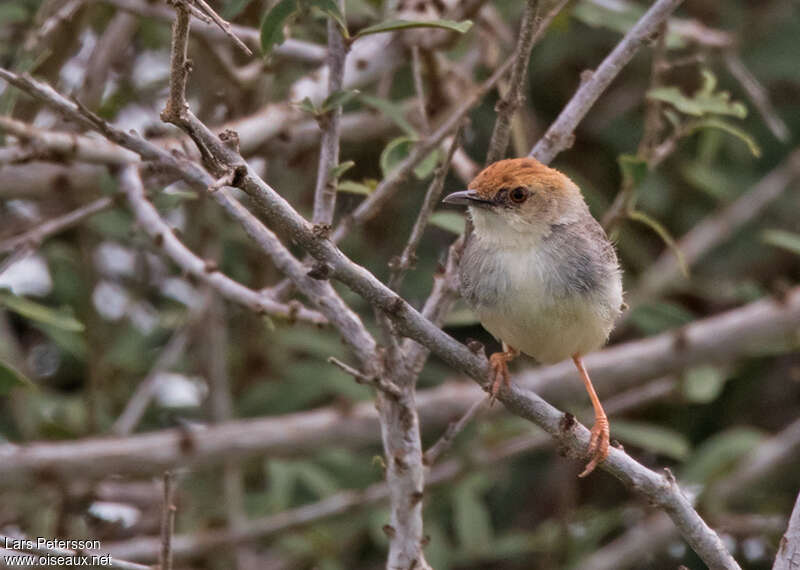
(524, 300)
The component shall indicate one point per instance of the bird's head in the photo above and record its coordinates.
(518, 200)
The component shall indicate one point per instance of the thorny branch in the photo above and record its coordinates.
(221, 159)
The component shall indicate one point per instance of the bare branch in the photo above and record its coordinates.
(530, 29)
(408, 257)
(720, 338)
(788, 556)
(222, 24)
(138, 402)
(453, 429)
(330, 121)
(758, 95)
(37, 235)
(164, 239)
(347, 501)
(167, 523)
(386, 386)
(561, 133)
(715, 229)
(68, 145)
(391, 183)
(291, 48)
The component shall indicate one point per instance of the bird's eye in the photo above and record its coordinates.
(518, 195)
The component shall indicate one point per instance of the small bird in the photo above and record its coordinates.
(540, 273)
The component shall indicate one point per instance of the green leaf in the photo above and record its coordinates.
(450, 221)
(471, 519)
(634, 169)
(717, 123)
(705, 101)
(337, 99)
(427, 165)
(40, 313)
(282, 477)
(399, 149)
(719, 453)
(331, 9)
(391, 110)
(280, 15)
(702, 384)
(656, 317)
(652, 437)
(785, 240)
(352, 187)
(664, 234)
(394, 25)
(308, 106)
(11, 378)
(394, 153)
(340, 169)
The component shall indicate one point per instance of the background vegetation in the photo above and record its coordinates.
(86, 314)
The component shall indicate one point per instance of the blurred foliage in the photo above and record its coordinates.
(89, 341)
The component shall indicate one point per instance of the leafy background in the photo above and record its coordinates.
(84, 317)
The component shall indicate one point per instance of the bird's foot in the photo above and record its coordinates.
(499, 374)
(598, 444)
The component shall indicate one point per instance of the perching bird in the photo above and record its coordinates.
(540, 273)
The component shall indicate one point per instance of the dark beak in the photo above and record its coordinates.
(465, 198)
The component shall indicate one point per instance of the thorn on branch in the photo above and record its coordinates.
(230, 139)
(567, 422)
(321, 231)
(475, 346)
(680, 341)
(416, 497)
(210, 266)
(389, 531)
(320, 271)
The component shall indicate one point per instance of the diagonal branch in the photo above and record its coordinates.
(560, 135)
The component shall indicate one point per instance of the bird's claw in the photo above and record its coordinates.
(500, 376)
(598, 445)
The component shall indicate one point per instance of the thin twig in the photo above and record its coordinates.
(788, 557)
(560, 135)
(389, 185)
(68, 146)
(530, 27)
(758, 95)
(716, 228)
(453, 429)
(419, 88)
(223, 25)
(167, 522)
(407, 258)
(330, 122)
(138, 402)
(623, 202)
(291, 48)
(37, 235)
(164, 239)
(386, 386)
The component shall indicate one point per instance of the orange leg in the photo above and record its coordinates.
(598, 444)
(499, 374)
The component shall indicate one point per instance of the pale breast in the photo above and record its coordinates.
(553, 299)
